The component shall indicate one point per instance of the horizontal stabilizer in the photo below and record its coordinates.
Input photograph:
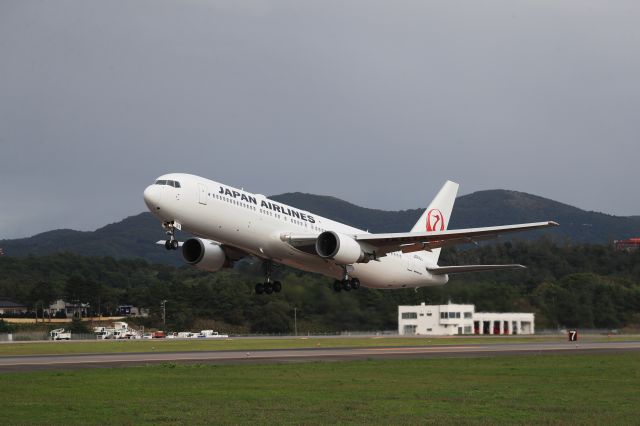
(162, 242)
(442, 270)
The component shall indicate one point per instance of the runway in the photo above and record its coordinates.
(51, 362)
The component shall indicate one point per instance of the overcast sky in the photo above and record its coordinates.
(374, 102)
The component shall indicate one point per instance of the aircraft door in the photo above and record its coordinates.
(202, 193)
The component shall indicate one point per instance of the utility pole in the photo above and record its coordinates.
(164, 315)
(295, 320)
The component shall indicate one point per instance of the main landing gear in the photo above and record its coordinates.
(268, 286)
(346, 284)
(171, 243)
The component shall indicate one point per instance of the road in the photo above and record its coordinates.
(49, 362)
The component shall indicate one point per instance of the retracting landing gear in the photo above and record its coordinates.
(268, 286)
(171, 243)
(346, 284)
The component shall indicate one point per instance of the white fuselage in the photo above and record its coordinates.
(256, 224)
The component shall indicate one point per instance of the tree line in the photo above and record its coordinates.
(587, 286)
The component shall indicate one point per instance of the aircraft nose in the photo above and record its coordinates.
(152, 196)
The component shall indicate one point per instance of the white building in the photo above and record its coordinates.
(132, 311)
(451, 319)
(67, 309)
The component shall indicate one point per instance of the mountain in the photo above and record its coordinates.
(498, 207)
(135, 235)
(132, 237)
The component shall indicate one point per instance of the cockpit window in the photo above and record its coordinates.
(173, 183)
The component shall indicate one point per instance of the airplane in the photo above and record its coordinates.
(229, 224)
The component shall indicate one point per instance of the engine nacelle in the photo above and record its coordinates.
(204, 254)
(341, 248)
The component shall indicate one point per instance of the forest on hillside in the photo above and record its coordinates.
(587, 286)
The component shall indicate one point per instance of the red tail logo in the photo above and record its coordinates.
(435, 220)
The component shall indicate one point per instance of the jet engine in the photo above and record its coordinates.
(204, 254)
(341, 248)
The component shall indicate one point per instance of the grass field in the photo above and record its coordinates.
(550, 389)
(170, 345)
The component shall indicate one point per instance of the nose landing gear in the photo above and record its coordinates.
(170, 229)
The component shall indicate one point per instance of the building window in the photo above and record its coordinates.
(467, 329)
(468, 315)
(429, 313)
(409, 315)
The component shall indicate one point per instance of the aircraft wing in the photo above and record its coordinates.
(302, 242)
(408, 242)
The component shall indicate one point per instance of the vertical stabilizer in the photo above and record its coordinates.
(436, 217)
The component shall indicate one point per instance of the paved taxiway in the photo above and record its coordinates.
(47, 362)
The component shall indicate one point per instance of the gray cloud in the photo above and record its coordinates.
(374, 102)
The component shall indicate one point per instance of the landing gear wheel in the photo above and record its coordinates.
(268, 288)
(337, 286)
(346, 285)
(259, 288)
(277, 286)
(355, 283)
(170, 230)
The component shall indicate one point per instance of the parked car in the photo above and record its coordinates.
(210, 334)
